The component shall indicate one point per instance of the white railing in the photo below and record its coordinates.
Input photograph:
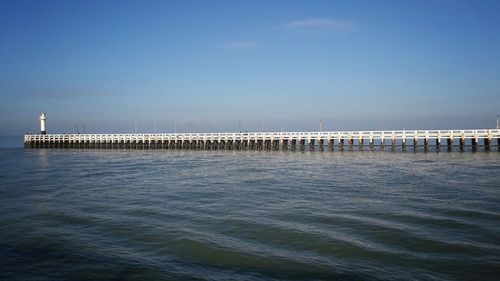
(328, 135)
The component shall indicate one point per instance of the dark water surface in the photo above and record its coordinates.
(248, 215)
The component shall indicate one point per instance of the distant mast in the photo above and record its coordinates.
(43, 121)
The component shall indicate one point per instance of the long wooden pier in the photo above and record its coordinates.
(330, 140)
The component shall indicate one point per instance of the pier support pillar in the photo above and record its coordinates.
(474, 144)
(449, 143)
(331, 144)
(321, 144)
(275, 144)
(487, 142)
(284, 145)
(267, 144)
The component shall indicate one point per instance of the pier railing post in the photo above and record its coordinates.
(426, 141)
(474, 141)
(498, 144)
(415, 140)
(462, 141)
(393, 141)
(403, 140)
(487, 141)
(438, 141)
(382, 141)
(371, 140)
(449, 141)
(361, 141)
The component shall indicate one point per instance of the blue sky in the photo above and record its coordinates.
(271, 65)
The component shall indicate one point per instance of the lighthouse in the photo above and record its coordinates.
(43, 121)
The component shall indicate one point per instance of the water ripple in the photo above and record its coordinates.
(248, 215)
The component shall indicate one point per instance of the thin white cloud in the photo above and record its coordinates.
(241, 45)
(321, 23)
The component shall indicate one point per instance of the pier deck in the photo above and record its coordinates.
(273, 140)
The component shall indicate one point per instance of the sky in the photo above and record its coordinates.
(207, 66)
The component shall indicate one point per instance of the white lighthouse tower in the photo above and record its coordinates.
(43, 121)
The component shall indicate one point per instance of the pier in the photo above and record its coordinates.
(328, 140)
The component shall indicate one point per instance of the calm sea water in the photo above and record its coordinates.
(248, 215)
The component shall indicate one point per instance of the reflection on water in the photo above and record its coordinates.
(248, 215)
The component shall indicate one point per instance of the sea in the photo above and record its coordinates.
(96, 214)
